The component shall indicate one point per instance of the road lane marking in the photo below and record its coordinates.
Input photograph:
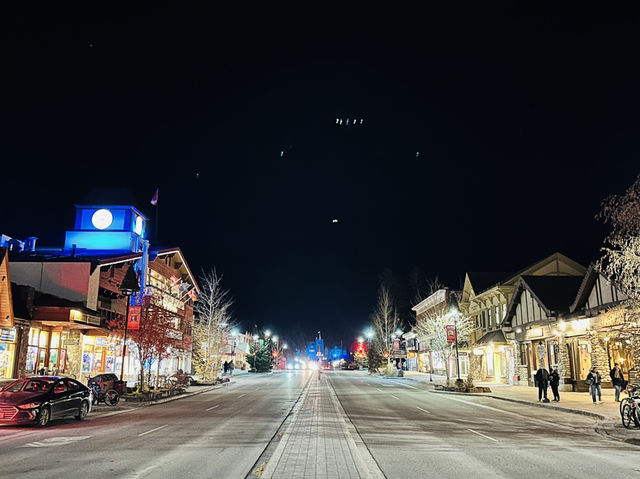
(483, 435)
(56, 441)
(379, 389)
(212, 407)
(241, 395)
(423, 410)
(152, 430)
(539, 421)
(395, 397)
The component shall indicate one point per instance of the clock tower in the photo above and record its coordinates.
(107, 228)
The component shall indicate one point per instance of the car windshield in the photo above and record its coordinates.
(29, 385)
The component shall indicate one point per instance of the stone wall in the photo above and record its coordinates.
(599, 354)
(74, 355)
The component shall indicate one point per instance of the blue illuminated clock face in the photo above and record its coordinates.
(138, 228)
(102, 219)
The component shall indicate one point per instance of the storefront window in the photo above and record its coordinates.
(7, 351)
(32, 357)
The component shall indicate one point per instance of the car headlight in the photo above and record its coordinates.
(29, 405)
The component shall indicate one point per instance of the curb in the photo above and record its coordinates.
(142, 404)
(604, 432)
(600, 417)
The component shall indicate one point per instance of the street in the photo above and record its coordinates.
(396, 428)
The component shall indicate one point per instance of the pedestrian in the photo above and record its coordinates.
(542, 380)
(593, 381)
(226, 367)
(554, 381)
(231, 367)
(617, 379)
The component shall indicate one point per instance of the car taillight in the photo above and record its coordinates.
(30, 405)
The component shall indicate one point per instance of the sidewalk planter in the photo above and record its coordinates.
(476, 389)
(153, 395)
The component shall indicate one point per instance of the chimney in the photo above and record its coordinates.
(30, 243)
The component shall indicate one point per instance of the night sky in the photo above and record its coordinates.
(524, 120)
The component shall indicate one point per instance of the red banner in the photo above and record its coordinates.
(134, 318)
(451, 333)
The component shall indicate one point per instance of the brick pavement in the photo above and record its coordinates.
(319, 441)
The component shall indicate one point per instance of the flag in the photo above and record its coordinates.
(154, 200)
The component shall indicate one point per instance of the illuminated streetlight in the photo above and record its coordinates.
(267, 333)
(284, 346)
(275, 338)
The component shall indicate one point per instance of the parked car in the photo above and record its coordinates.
(37, 400)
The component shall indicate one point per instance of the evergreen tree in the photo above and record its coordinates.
(262, 360)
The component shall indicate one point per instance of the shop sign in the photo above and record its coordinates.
(102, 342)
(451, 333)
(534, 333)
(79, 317)
(478, 351)
(134, 318)
(8, 334)
(611, 320)
(173, 334)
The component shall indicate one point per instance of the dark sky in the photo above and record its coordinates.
(524, 120)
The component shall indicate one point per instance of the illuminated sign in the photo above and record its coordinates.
(102, 219)
(138, 227)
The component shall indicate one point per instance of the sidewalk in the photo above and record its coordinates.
(577, 403)
(319, 442)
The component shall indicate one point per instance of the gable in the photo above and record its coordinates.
(603, 293)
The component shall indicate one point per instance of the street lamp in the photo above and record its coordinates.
(455, 313)
(128, 287)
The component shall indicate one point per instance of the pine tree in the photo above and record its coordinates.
(262, 360)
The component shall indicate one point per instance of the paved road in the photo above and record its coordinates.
(408, 430)
(413, 432)
(217, 434)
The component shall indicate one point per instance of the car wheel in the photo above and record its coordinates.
(44, 417)
(83, 411)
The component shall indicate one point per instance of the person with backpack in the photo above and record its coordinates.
(617, 379)
(593, 381)
(542, 380)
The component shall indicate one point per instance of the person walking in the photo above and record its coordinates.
(225, 365)
(593, 380)
(617, 379)
(542, 380)
(554, 381)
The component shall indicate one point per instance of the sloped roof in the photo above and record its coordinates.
(481, 281)
(585, 288)
(496, 337)
(554, 293)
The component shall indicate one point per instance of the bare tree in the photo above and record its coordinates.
(620, 262)
(384, 321)
(431, 326)
(213, 323)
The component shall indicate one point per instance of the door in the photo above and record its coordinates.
(59, 399)
(76, 393)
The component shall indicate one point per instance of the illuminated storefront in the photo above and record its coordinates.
(7, 352)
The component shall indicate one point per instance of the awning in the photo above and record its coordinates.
(495, 337)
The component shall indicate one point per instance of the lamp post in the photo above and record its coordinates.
(455, 313)
(128, 287)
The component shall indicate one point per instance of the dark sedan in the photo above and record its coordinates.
(39, 399)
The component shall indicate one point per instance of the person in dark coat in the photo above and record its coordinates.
(617, 379)
(542, 380)
(593, 380)
(554, 381)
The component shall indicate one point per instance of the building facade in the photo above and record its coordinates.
(485, 299)
(78, 311)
